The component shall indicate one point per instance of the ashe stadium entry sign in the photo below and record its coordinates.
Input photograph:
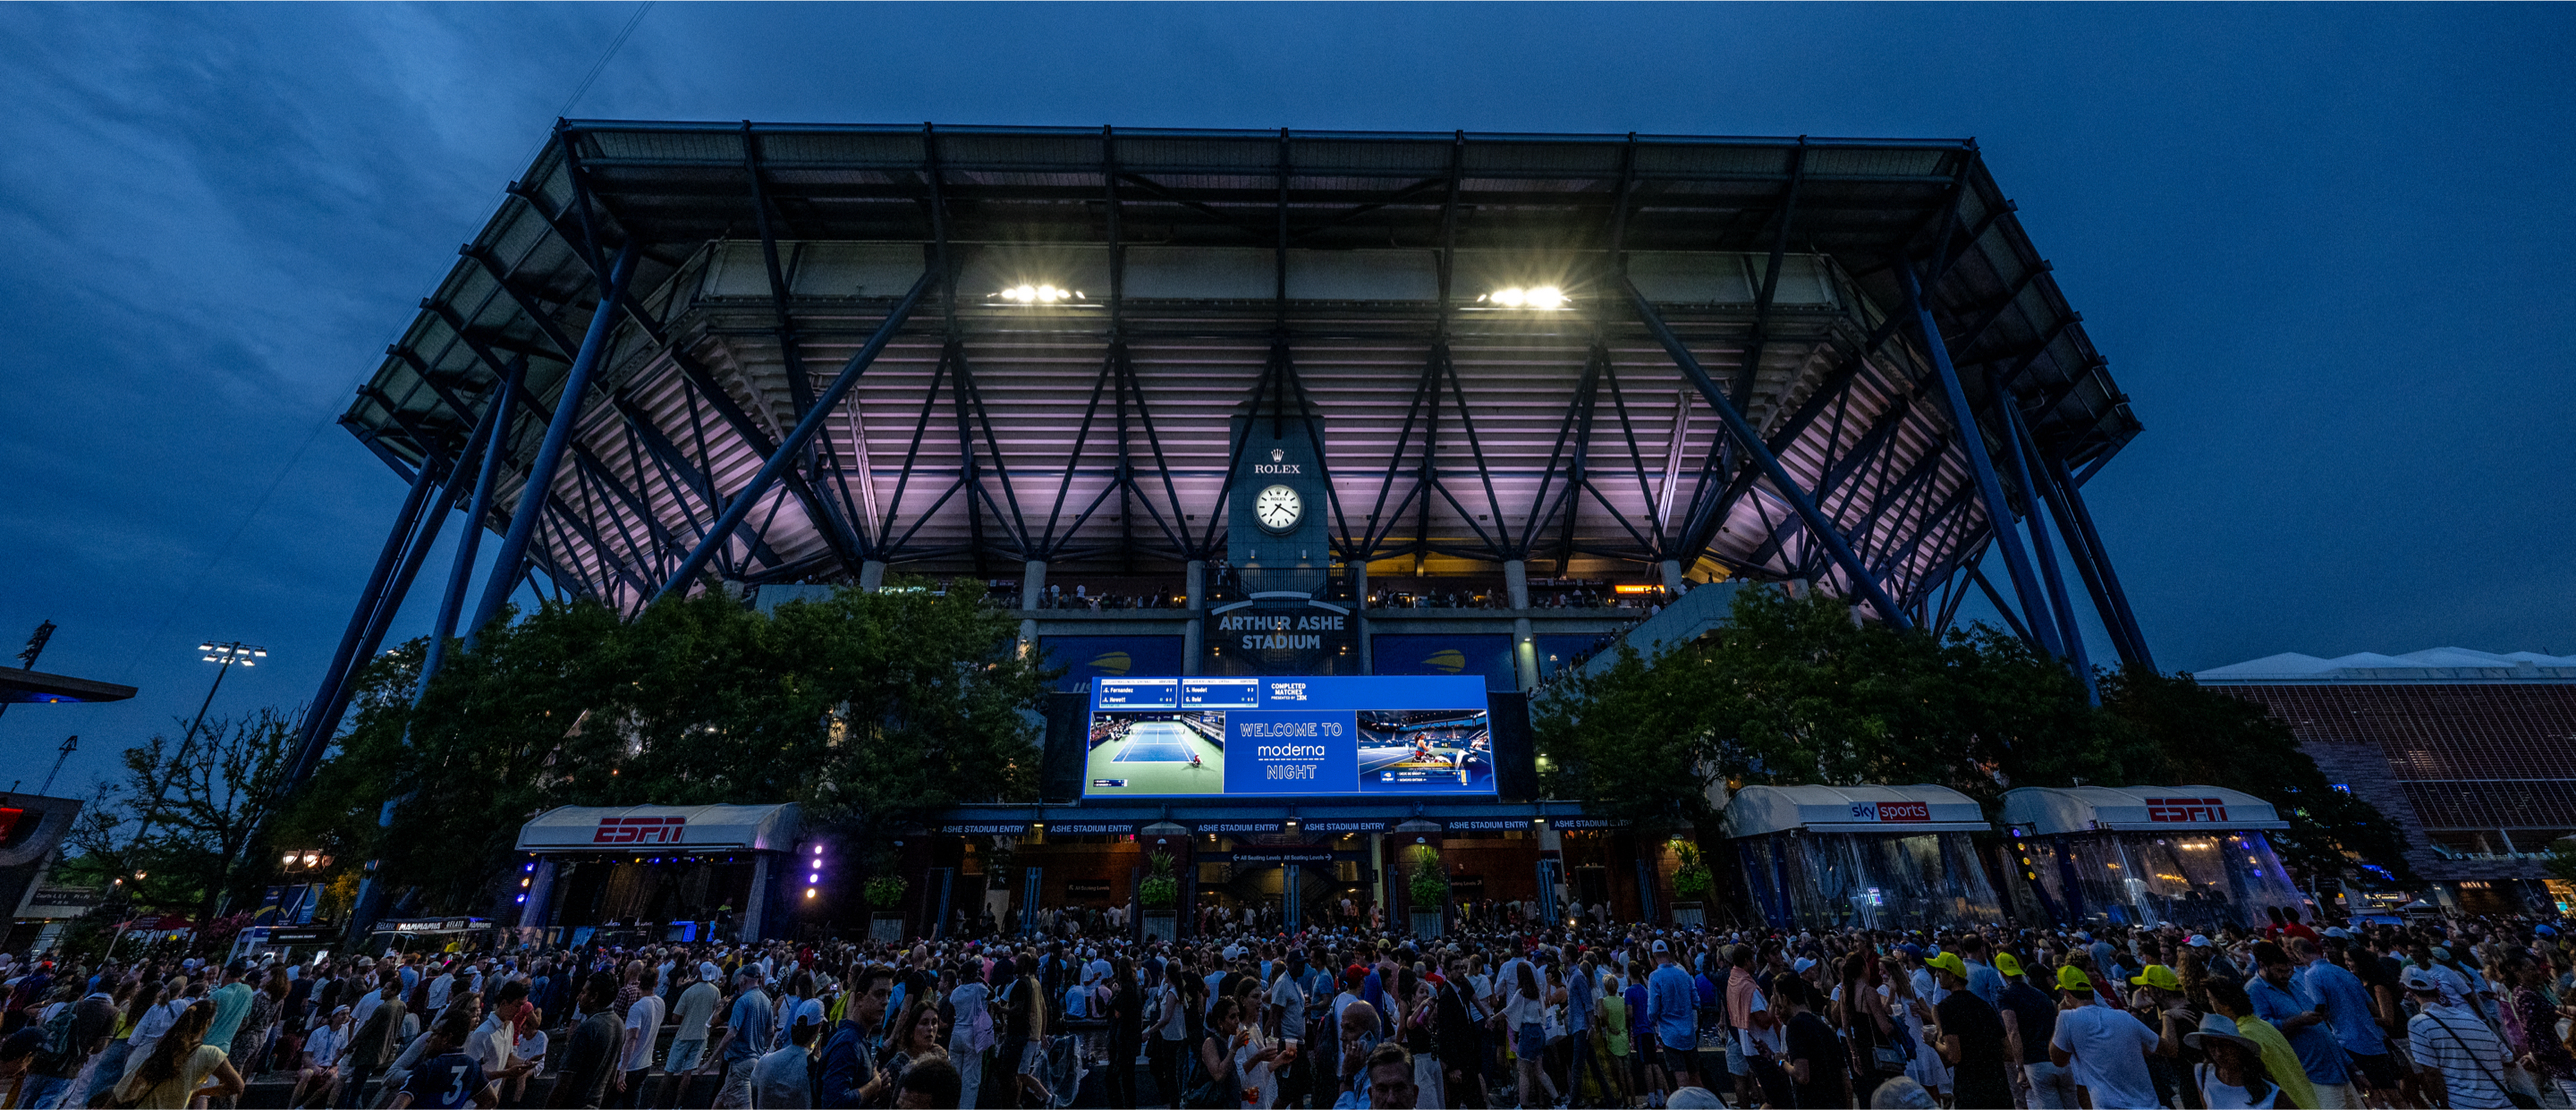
(1275, 736)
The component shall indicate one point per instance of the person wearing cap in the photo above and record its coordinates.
(2282, 999)
(320, 1068)
(2234, 1077)
(2106, 1047)
(1972, 1037)
(2030, 1022)
(2457, 1056)
(2227, 999)
(1672, 1013)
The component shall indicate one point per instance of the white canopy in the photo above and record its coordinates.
(638, 828)
(2048, 810)
(1898, 810)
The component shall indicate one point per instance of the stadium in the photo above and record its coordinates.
(1254, 404)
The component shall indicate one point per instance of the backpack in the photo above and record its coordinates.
(56, 1056)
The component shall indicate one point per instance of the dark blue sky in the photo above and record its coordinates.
(2328, 251)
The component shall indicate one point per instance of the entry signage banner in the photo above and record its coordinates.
(1092, 828)
(1486, 824)
(1086, 888)
(1337, 825)
(985, 828)
(1270, 736)
(1282, 856)
(1239, 828)
(1568, 824)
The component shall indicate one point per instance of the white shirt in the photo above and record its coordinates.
(325, 1045)
(2456, 1040)
(2110, 1048)
(1291, 1002)
(157, 1021)
(489, 1044)
(644, 1020)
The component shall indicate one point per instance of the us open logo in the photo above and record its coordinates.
(640, 830)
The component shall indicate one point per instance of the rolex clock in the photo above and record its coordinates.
(1277, 509)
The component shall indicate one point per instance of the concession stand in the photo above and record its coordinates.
(645, 874)
(1875, 857)
(2191, 856)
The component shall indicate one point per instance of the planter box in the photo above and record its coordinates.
(1426, 924)
(1161, 925)
(886, 927)
(1689, 915)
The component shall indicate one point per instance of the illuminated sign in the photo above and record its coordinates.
(1636, 589)
(640, 830)
(1270, 736)
(1891, 811)
(2187, 810)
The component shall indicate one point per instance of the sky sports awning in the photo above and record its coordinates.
(2051, 810)
(686, 829)
(1894, 810)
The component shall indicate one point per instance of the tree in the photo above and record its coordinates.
(869, 710)
(180, 826)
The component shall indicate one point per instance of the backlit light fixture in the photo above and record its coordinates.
(1039, 294)
(1543, 298)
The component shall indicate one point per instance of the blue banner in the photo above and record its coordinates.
(1088, 658)
(1488, 655)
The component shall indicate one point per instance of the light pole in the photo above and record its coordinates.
(224, 655)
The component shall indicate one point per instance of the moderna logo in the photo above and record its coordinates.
(640, 830)
(2187, 810)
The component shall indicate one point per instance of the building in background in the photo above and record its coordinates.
(2473, 754)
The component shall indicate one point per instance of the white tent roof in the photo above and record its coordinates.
(2441, 664)
(1901, 810)
(640, 828)
(2047, 810)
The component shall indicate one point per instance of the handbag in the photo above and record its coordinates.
(2520, 1100)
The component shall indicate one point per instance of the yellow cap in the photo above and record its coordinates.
(2072, 978)
(1949, 962)
(2158, 976)
(2004, 962)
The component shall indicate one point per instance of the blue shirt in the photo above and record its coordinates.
(1578, 1001)
(2319, 1055)
(1672, 1006)
(1987, 983)
(2347, 1005)
(750, 1021)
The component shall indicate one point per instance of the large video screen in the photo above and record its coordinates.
(1188, 737)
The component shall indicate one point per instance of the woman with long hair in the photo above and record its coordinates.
(1126, 1030)
(1862, 1017)
(180, 1065)
(1914, 1012)
(918, 1035)
(110, 1065)
(1525, 1015)
(1217, 1081)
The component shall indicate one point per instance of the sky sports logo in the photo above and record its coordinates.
(1891, 811)
(640, 830)
(2187, 810)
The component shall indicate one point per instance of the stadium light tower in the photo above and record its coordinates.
(224, 655)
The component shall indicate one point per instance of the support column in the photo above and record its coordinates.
(1288, 900)
(540, 891)
(1032, 593)
(1972, 442)
(1031, 882)
(1674, 583)
(755, 909)
(1194, 596)
(1524, 648)
(2061, 606)
(1377, 876)
(1551, 871)
(872, 574)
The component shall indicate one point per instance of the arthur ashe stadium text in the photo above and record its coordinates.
(1281, 631)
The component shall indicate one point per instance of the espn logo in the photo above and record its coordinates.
(2187, 810)
(1891, 811)
(640, 830)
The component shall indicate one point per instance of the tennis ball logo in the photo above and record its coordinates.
(1112, 662)
(1446, 661)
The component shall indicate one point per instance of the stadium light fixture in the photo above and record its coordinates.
(1544, 298)
(1042, 293)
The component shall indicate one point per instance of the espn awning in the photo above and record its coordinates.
(2050, 810)
(661, 828)
(1893, 810)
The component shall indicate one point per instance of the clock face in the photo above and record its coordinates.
(1277, 508)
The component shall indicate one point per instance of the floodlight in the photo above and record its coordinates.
(1510, 298)
(1547, 297)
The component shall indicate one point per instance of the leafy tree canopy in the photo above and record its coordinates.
(1793, 691)
(867, 709)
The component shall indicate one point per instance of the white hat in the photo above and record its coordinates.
(2419, 979)
(2196, 941)
(1659, 947)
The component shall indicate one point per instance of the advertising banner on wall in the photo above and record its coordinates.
(1285, 737)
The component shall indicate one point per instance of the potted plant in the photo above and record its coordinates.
(883, 894)
(1158, 895)
(1691, 885)
(1427, 890)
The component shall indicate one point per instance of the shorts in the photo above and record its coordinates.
(1529, 1042)
(684, 1056)
(1738, 1063)
(2377, 1070)
(1679, 1060)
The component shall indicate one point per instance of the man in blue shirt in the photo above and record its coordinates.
(747, 1034)
(2347, 1005)
(1983, 980)
(1672, 1011)
(2281, 999)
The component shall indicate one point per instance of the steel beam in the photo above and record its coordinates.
(2119, 609)
(784, 457)
(2061, 608)
(1769, 463)
(487, 475)
(1972, 441)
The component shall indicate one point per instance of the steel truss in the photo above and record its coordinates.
(1840, 361)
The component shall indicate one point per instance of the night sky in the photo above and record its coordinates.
(2328, 252)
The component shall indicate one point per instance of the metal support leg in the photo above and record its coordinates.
(495, 450)
(1973, 441)
(1769, 463)
(2060, 606)
(550, 452)
(2119, 607)
(386, 560)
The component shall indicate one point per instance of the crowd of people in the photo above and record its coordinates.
(1502, 1012)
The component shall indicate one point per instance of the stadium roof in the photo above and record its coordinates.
(2442, 664)
(767, 253)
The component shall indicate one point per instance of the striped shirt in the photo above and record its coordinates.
(2460, 1043)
